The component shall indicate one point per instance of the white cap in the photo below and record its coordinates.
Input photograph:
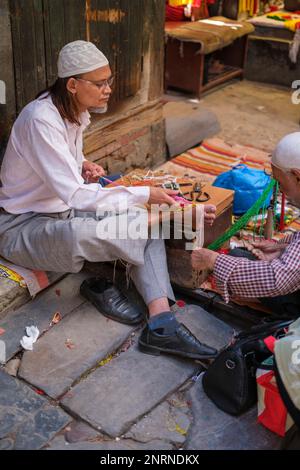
(79, 57)
(286, 155)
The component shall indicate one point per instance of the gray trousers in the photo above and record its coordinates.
(62, 242)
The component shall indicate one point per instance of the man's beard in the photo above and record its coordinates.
(101, 110)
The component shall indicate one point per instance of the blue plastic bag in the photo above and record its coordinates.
(248, 185)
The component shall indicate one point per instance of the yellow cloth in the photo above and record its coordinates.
(247, 6)
(179, 3)
(289, 24)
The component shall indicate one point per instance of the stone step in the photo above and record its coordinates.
(13, 296)
(212, 429)
(116, 395)
(73, 347)
(27, 420)
(62, 297)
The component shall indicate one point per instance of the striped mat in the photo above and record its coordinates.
(214, 156)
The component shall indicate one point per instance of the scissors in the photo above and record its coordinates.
(196, 194)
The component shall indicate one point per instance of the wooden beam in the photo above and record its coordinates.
(99, 136)
(8, 100)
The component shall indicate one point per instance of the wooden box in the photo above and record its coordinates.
(179, 259)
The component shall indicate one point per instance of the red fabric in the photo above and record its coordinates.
(177, 13)
(174, 13)
(274, 415)
(270, 343)
(42, 278)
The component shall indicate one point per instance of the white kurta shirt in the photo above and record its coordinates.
(42, 165)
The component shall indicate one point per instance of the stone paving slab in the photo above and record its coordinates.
(59, 443)
(62, 297)
(207, 328)
(212, 429)
(121, 392)
(115, 396)
(78, 431)
(74, 346)
(27, 420)
(164, 423)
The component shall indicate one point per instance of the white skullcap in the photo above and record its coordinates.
(286, 155)
(79, 57)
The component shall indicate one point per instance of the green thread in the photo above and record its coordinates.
(276, 192)
(243, 221)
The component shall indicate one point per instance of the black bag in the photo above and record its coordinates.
(291, 440)
(230, 381)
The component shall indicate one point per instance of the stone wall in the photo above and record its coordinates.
(136, 140)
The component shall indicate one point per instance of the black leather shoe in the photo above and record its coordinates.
(182, 343)
(110, 301)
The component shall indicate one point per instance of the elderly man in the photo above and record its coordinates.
(53, 212)
(274, 278)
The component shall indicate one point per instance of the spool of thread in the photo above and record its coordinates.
(269, 226)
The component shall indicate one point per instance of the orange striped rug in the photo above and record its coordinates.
(214, 156)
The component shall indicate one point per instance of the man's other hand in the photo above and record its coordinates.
(91, 172)
(209, 214)
(266, 250)
(162, 196)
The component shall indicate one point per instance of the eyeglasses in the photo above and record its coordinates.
(100, 85)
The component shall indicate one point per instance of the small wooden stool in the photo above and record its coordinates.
(192, 47)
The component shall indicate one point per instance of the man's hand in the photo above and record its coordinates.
(266, 250)
(203, 259)
(209, 214)
(91, 172)
(162, 196)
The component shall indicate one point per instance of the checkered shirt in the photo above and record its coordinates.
(240, 277)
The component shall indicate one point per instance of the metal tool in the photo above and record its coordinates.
(196, 194)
